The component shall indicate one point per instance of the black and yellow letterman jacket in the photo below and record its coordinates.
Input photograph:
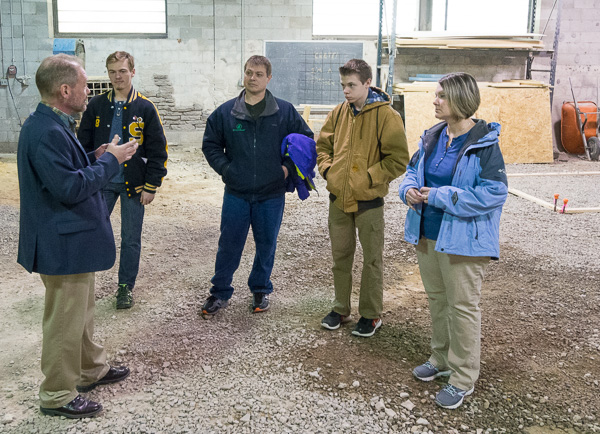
(141, 121)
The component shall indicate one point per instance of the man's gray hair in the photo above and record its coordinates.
(55, 71)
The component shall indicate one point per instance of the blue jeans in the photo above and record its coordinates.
(237, 216)
(132, 218)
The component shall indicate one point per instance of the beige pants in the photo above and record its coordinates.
(342, 231)
(453, 285)
(69, 356)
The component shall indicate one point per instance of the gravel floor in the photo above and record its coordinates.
(279, 372)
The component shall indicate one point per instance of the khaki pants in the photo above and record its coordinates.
(69, 356)
(453, 285)
(342, 231)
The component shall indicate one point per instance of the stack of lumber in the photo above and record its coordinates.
(426, 86)
(448, 42)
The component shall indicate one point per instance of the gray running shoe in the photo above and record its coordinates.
(452, 397)
(428, 372)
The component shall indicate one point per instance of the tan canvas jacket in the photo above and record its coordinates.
(360, 155)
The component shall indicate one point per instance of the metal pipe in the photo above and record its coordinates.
(3, 72)
(12, 38)
(23, 39)
(242, 55)
(446, 17)
(392, 51)
(214, 47)
(555, 52)
(379, 47)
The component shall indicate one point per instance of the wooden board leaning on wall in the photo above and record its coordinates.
(521, 107)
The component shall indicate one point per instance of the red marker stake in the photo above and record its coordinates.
(564, 205)
(555, 201)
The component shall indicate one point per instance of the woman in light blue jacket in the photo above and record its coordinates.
(455, 186)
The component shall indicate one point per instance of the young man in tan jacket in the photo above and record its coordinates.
(361, 149)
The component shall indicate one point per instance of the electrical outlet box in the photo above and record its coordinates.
(3, 82)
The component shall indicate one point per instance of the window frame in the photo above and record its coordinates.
(58, 34)
(424, 19)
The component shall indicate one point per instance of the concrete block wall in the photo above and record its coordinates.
(484, 65)
(578, 54)
(196, 68)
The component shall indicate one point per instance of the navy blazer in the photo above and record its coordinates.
(64, 223)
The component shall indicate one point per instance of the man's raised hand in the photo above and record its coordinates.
(122, 152)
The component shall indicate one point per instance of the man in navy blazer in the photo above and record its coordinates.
(65, 235)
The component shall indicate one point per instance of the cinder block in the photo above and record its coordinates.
(300, 23)
(222, 10)
(231, 22)
(259, 11)
(252, 23)
(195, 9)
(174, 33)
(41, 8)
(8, 147)
(586, 4)
(179, 21)
(191, 33)
(590, 19)
(201, 21)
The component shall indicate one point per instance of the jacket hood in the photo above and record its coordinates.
(377, 97)
(239, 110)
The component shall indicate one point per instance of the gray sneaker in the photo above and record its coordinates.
(428, 372)
(260, 302)
(212, 305)
(452, 397)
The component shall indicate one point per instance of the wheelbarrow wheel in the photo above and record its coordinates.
(594, 148)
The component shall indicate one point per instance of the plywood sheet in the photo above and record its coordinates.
(523, 113)
(469, 43)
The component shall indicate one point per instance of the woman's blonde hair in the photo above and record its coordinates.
(462, 93)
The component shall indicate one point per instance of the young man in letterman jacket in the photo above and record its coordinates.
(126, 113)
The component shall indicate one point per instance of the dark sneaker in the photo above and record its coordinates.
(428, 372)
(124, 296)
(260, 302)
(212, 305)
(452, 397)
(366, 327)
(334, 320)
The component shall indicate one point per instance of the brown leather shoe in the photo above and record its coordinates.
(76, 409)
(114, 375)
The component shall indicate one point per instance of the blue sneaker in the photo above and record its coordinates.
(452, 397)
(428, 372)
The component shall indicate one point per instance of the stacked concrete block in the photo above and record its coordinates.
(484, 65)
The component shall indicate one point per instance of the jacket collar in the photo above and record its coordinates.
(131, 96)
(65, 118)
(239, 110)
(479, 130)
(48, 111)
(480, 135)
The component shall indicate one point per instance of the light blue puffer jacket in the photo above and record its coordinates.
(472, 204)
